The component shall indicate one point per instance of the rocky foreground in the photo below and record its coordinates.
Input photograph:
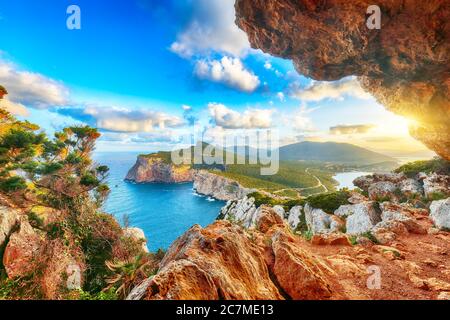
(306, 253)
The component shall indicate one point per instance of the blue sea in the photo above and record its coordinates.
(163, 211)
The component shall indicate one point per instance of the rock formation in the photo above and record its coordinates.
(267, 261)
(150, 169)
(405, 64)
(219, 187)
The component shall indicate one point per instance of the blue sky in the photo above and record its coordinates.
(144, 71)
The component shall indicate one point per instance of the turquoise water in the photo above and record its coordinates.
(163, 211)
(345, 179)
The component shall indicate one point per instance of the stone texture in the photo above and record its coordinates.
(440, 213)
(382, 190)
(23, 251)
(436, 184)
(405, 65)
(294, 216)
(9, 219)
(298, 272)
(363, 218)
(319, 221)
(218, 262)
(219, 187)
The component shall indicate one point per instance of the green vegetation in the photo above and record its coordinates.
(369, 235)
(62, 191)
(437, 165)
(329, 202)
(292, 179)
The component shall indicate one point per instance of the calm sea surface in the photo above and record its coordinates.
(163, 211)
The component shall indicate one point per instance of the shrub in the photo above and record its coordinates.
(13, 184)
(437, 165)
(329, 202)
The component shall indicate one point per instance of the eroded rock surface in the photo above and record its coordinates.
(405, 65)
(154, 170)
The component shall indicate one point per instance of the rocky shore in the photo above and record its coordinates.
(149, 169)
(394, 224)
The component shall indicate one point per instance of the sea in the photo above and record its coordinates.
(163, 211)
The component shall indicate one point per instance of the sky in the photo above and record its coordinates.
(148, 73)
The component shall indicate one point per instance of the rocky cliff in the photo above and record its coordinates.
(219, 187)
(405, 64)
(150, 169)
(307, 253)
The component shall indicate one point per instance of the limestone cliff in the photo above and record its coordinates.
(405, 64)
(156, 170)
(219, 187)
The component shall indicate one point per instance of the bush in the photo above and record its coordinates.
(13, 184)
(437, 165)
(329, 202)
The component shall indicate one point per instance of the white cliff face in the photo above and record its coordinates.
(294, 217)
(219, 187)
(241, 211)
(361, 217)
(318, 221)
(440, 213)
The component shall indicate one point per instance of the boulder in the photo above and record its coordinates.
(280, 211)
(356, 198)
(332, 239)
(138, 235)
(363, 219)
(411, 188)
(266, 218)
(294, 217)
(382, 190)
(242, 211)
(436, 184)
(402, 214)
(440, 213)
(23, 251)
(217, 262)
(9, 219)
(298, 272)
(318, 221)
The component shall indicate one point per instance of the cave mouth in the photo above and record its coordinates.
(405, 64)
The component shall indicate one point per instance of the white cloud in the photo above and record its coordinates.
(211, 29)
(320, 90)
(249, 119)
(31, 89)
(229, 71)
(123, 119)
(268, 65)
(186, 107)
(16, 109)
(281, 96)
(300, 120)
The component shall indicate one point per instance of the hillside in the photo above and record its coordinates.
(332, 152)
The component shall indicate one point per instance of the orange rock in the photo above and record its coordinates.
(217, 262)
(332, 239)
(267, 219)
(298, 272)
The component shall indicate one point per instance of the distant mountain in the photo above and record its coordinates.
(332, 152)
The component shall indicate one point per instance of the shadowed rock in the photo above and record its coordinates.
(405, 65)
